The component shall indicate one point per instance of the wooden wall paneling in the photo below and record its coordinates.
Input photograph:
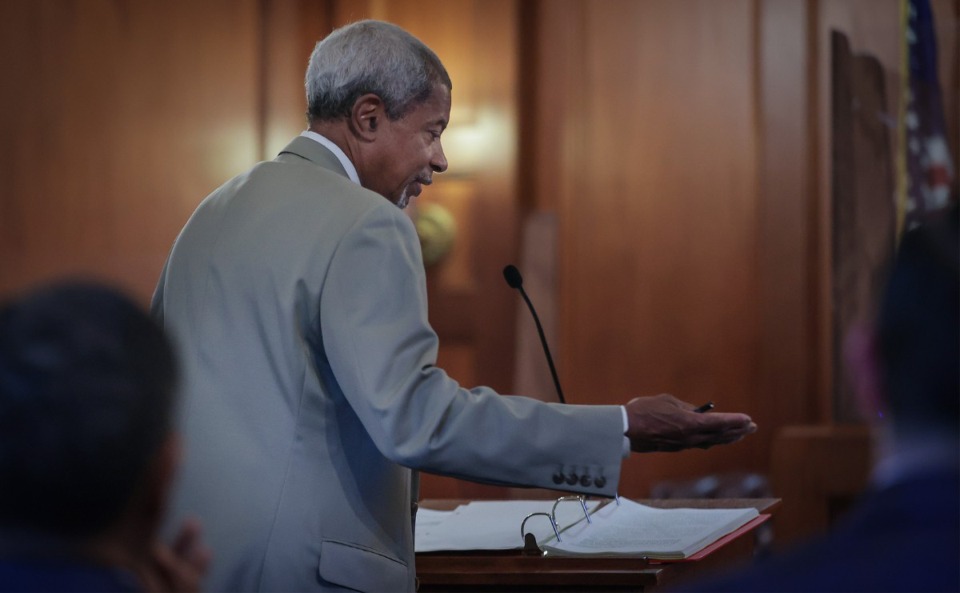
(550, 40)
(553, 129)
(658, 265)
(496, 216)
(550, 130)
(119, 117)
(538, 260)
(786, 259)
(289, 29)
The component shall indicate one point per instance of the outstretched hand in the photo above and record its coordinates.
(665, 423)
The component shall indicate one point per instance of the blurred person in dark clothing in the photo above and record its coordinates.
(87, 454)
(904, 534)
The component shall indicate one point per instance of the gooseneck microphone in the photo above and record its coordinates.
(515, 280)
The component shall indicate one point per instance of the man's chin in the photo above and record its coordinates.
(408, 194)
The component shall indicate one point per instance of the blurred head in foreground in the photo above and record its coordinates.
(87, 385)
(906, 368)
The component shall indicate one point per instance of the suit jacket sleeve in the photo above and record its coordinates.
(382, 352)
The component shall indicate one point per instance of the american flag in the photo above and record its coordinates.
(930, 170)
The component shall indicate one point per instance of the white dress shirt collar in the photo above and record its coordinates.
(337, 152)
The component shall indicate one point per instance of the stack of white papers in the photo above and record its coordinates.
(633, 529)
(627, 529)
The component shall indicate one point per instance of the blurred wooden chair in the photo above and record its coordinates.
(819, 472)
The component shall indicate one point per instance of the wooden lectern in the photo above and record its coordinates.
(512, 570)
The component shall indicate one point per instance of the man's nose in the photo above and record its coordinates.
(439, 161)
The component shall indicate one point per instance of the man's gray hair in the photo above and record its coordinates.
(370, 57)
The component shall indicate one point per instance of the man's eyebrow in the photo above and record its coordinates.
(442, 123)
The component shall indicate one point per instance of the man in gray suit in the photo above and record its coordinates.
(296, 294)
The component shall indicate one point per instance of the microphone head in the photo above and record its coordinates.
(512, 276)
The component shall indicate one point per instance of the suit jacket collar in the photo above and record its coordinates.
(316, 153)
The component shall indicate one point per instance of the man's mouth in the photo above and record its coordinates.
(417, 186)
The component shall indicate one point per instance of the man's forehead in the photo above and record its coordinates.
(435, 110)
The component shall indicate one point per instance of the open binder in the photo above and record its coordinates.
(530, 539)
(576, 526)
(627, 528)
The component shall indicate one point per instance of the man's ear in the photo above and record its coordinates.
(366, 116)
(863, 365)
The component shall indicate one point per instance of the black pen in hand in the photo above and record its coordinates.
(704, 408)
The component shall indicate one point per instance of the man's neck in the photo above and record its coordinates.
(338, 133)
(348, 165)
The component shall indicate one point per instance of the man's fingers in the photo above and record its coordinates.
(723, 432)
(725, 420)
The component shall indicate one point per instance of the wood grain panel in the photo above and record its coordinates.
(289, 30)
(786, 260)
(658, 261)
(119, 117)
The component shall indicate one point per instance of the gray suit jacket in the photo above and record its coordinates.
(298, 302)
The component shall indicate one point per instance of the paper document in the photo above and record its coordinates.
(627, 529)
(634, 529)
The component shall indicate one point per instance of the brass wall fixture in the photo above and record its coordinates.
(437, 230)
